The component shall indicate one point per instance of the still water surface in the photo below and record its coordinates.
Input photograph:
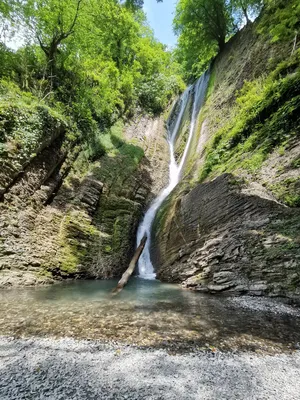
(149, 313)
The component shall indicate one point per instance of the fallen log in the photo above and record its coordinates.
(127, 274)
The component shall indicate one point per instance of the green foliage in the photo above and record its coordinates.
(204, 26)
(100, 143)
(95, 61)
(155, 93)
(287, 191)
(25, 123)
(5, 8)
(207, 17)
(265, 116)
(244, 10)
(135, 4)
(194, 54)
(8, 63)
(281, 19)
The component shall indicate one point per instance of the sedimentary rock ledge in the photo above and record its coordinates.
(68, 369)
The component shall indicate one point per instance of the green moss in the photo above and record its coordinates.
(120, 226)
(287, 191)
(76, 233)
(278, 251)
(165, 212)
(281, 150)
(45, 273)
(296, 163)
(168, 110)
(107, 249)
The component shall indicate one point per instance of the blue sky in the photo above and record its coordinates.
(160, 17)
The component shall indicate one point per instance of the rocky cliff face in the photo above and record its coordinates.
(221, 236)
(62, 216)
(233, 222)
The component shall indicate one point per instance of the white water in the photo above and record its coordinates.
(145, 266)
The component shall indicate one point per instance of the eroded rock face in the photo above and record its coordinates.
(218, 237)
(59, 219)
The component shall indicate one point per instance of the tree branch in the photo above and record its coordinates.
(43, 47)
(74, 20)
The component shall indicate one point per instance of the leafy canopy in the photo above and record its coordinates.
(203, 26)
(96, 57)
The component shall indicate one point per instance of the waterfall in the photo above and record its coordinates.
(145, 266)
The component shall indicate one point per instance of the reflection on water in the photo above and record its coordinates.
(146, 313)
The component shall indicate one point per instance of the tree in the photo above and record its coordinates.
(135, 4)
(193, 53)
(51, 22)
(96, 57)
(202, 26)
(209, 18)
(6, 9)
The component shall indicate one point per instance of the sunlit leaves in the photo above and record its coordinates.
(203, 27)
(281, 20)
(99, 58)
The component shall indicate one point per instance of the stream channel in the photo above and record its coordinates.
(150, 313)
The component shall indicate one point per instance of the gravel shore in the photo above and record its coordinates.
(66, 369)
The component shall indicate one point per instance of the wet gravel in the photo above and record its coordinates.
(276, 306)
(69, 369)
(151, 314)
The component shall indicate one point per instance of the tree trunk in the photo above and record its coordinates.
(51, 59)
(221, 43)
(246, 15)
(127, 274)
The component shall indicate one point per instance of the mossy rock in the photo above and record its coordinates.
(76, 234)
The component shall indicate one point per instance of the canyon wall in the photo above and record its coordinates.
(64, 216)
(233, 222)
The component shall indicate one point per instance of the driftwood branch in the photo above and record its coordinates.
(127, 274)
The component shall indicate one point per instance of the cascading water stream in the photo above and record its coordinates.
(145, 266)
